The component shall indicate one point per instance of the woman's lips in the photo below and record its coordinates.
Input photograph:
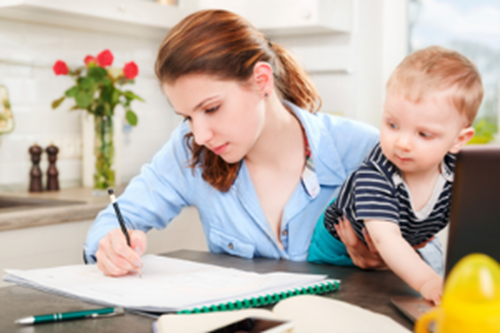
(220, 149)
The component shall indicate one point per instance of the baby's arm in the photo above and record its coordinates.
(404, 260)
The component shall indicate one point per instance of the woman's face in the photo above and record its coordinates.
(227, 117)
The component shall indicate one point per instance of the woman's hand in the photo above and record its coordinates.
(365, 257)
(115, 257)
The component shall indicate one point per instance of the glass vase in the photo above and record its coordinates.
(104, 151)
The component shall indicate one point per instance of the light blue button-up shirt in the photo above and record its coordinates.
(234, 222)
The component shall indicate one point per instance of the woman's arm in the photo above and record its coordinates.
(404, 260)
(151, 200)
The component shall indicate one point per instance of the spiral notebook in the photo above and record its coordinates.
(174, 285)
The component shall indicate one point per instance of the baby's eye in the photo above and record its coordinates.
(215, 108)
(392, 125)
(425, 135)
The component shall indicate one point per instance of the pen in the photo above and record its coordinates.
(47, 318)
(112, 197)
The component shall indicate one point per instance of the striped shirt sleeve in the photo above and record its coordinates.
(374, 196)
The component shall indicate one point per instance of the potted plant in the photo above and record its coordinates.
(98, 90)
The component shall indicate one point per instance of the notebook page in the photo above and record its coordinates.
(167, 284)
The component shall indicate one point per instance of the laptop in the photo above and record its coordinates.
(474, 219)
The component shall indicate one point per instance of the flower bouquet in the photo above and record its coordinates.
(98, 90)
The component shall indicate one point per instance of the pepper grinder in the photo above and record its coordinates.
(52, 172)
(35, 172)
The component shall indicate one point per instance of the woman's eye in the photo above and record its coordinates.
(215, 108)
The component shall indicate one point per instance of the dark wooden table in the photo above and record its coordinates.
(368, 289)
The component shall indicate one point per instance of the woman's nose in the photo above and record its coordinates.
(201, 131)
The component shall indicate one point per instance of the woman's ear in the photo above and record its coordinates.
(263, 77)
(463, 137)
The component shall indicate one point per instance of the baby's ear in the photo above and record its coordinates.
(463, 137)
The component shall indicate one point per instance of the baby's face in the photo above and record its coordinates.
(416, 136)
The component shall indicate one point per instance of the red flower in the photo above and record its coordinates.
(88, 59)
(130, 70)
(105, 58)
(60, 68)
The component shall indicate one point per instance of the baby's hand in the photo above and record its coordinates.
(432, 289)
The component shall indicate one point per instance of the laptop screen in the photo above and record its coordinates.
(475, 205)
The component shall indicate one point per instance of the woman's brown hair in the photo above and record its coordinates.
(225, 45)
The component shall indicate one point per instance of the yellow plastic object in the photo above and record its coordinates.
(471, 299)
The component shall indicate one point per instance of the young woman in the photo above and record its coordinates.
(251, 155)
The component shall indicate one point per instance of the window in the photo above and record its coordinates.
(473, 29)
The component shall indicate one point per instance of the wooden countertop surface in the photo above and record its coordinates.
(86, 207)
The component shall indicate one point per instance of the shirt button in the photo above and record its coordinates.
(285, 233)
(230, 246)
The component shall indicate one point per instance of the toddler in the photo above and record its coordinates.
(401, 193)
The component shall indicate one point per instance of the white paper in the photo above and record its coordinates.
(167, 284)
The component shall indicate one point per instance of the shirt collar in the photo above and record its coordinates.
(327, 163)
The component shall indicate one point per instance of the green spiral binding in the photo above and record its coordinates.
(246, 303)
(320, 288)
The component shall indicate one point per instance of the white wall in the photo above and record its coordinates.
(27, 53)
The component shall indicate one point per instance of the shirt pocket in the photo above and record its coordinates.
(222, 242)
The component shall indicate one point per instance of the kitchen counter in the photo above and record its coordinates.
(83, 206)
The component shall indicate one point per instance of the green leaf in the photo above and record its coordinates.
(115, 96)
(57, 102)
(130, 95)
(107, 82)
(97, 73)
(83, 99)
(71, 92)
(87, 83)
(74, 107)
(131, 117)
(107, 110)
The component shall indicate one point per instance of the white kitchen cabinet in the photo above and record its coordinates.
(149, 19)
(124, 17)
(291, 17)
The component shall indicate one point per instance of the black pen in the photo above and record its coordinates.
(112, 197)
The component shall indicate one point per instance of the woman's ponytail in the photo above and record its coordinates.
(292, 81)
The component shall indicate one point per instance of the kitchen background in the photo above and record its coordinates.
(349, 47)
(349, 82)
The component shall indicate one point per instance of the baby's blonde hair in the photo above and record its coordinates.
(436, 68)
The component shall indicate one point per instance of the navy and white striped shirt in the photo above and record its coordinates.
(377, 191)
